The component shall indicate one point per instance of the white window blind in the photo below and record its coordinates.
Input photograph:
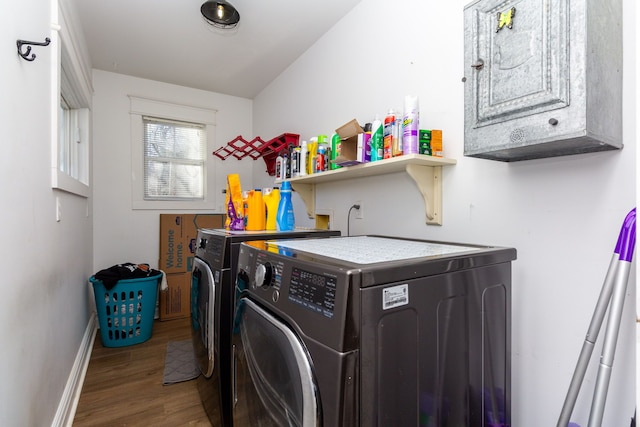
(174, 159)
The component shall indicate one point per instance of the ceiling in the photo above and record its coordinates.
(169, 41)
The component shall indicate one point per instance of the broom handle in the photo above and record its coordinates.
(589, 342)
(623, 255)
(627, 245)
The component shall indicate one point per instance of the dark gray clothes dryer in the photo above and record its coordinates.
(212, 305)
(372, 331)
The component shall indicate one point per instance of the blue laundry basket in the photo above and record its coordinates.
(125, 312)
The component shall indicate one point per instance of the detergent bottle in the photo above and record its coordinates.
(227, 219)
(285, 218)
(271, 199)
(235, 206)
(256, 215)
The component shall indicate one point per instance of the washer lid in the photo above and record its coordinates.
(374, 249)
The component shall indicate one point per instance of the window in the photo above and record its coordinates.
(70, 109)
(169, 146)
(173, 159)
(73, 153)
(64, 137)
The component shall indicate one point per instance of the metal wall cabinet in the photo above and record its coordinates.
(542, 78)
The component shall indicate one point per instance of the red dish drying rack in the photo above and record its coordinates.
(257, 147)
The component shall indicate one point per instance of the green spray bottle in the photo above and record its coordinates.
(335, 150)
(377, 139)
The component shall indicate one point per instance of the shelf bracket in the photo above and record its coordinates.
(429, 182)
(308, 194)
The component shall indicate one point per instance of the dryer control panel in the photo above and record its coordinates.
(316, 292)
(211, 248)
(315, 295)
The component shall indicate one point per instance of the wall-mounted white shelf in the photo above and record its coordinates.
(425, 170)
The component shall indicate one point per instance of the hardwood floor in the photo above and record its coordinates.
(123, 386)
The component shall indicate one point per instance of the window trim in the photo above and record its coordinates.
(71, 77)
(140, 107)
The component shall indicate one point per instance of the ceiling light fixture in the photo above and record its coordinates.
(220, 14)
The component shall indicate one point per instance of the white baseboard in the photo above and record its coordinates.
(69, 402)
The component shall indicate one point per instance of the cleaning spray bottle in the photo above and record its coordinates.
(387, 132)
(279, 166)
(377, 140)
(285, 219)
(312, 148)
(366, 143)
(397, 137)
(410, 125)
(295, 162)
(336, 144)
(304, 153)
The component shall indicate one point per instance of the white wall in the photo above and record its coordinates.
(122, 234)
(563, 214)
(45, 263)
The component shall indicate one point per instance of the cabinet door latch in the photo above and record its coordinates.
(478, 65)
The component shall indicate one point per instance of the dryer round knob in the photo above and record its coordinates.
(263, 275)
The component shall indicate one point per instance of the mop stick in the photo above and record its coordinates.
(613, 323)
(623, 252)
(589, 342)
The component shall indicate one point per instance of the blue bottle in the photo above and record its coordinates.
(285, 219)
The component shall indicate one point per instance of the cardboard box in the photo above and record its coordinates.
(351, 134)
(436, 142)
(430, 142)
(175, 301)
(424, 141)
(178, 233)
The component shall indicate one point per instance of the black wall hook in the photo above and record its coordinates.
(25, 54)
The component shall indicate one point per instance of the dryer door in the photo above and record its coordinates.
(274, 382)
(203, 294)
